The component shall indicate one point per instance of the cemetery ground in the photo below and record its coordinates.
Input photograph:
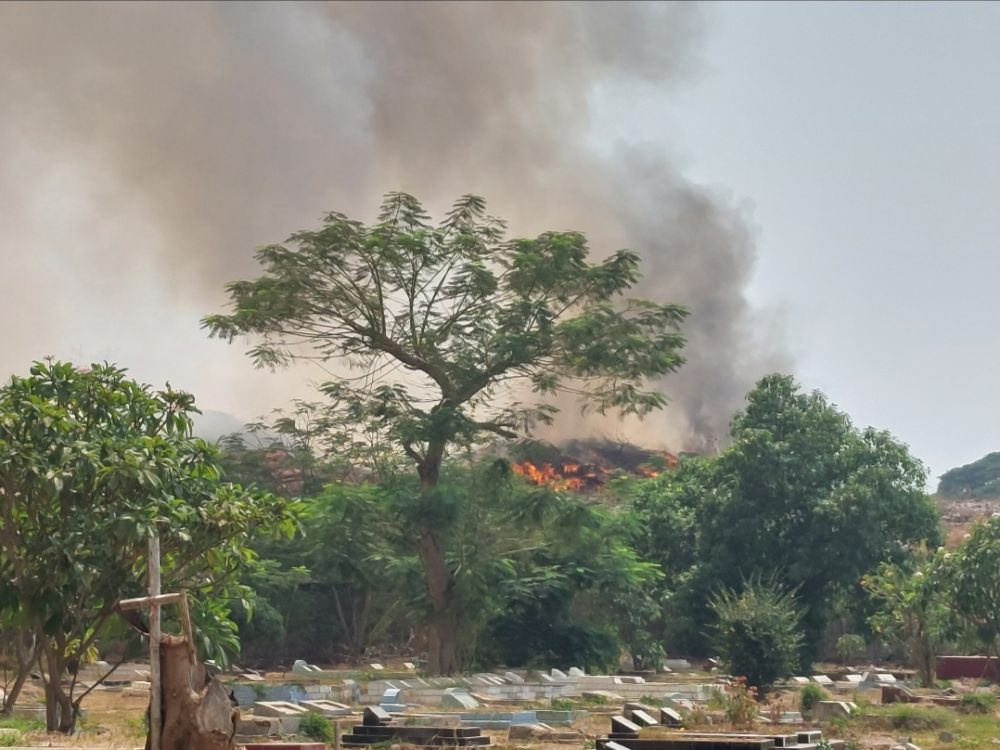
(114, 715)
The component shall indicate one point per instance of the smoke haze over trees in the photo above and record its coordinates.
(153, 146)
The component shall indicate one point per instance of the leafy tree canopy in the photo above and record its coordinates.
(91, 464)
(801, 492)
(447, 326)
(466, 310)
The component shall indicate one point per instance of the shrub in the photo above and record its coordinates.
(741, 705)
(850, 646)
(316, 727)
(758, 631)
(810, 696)
(978, 703)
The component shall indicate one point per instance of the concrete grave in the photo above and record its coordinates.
(677, 665)
(800, 680)
(258, 726)
(376, 666)
(410, 665)
(279, 709)
(458, 698)
(327, 708)
(557, 673)
(514, 678)
(576, 672)
(822, 679)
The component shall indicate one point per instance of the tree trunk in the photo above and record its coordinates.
(59, 713)
(442, 651)
(196, 709)
(26, 655)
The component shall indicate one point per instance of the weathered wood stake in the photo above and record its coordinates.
(155, 688)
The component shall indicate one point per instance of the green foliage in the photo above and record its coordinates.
(979, 479)
(466, 310)
(810, 696)
(316, 727)
(850, 646)
(914, 609)
(468, 314)
(801, 491)
(975, 576)
(978, 703)
(92, 464)
(758, 631)
(740, 705)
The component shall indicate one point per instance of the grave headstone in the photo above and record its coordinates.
(299, 666)
(557, 673)
(643, 719)
(670, 718)
(800, 680)
(576, 672)
(375, 716)
(410, 665)
(622, 727)
(392, 701)
(377, 667)
(822, 679)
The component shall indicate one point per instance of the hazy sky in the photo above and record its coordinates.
(859, 142)
(865, 138)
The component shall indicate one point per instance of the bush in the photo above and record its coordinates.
(316, 727)
(850, 646)
(978, 703)
(810, 696)
(740, 706)
(758, 631)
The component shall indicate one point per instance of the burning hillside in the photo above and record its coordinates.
(585, 465)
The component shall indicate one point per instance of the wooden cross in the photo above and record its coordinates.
(154, 601)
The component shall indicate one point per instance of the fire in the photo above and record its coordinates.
(567, 476)
(575, 476)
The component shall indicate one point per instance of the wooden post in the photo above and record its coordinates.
(155, 691)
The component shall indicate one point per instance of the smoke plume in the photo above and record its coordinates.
(147, 148)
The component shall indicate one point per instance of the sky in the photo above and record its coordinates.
(864, 137)
(840, 160)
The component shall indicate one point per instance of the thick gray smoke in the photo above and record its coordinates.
(146, 149)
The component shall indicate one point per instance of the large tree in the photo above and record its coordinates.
(91, 464)
(473, 321)
(975, 580)
(802, 493)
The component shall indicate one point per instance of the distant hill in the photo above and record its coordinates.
(979, 479)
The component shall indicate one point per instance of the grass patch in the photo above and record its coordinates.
(907, 717)
(978, 703)
(22, 724)
(316, 727)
